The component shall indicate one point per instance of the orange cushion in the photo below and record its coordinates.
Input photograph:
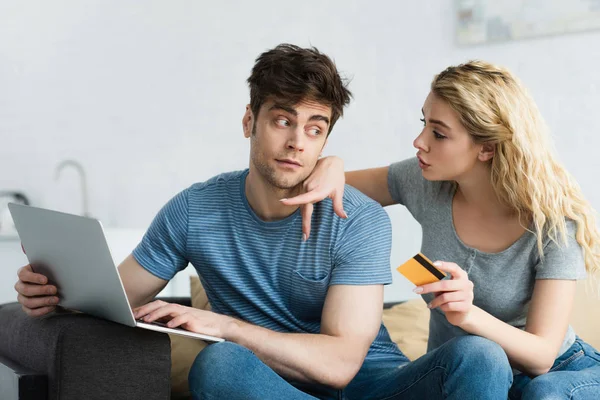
(183, 349)
(408, 325)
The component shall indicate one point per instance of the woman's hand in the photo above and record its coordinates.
(453, 296)
(326, 180)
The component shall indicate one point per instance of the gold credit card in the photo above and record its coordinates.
(420, 270)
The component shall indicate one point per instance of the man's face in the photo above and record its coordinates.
(286, 140)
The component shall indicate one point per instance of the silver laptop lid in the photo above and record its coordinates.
(72, 250)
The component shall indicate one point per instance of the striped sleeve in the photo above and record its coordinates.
(163, 248)
(362, 253)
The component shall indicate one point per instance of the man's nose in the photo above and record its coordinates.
(297, 140)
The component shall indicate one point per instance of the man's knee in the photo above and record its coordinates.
(219, 359)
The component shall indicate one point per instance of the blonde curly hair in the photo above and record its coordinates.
(496, 109)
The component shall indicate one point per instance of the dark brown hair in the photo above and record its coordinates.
(291, 74)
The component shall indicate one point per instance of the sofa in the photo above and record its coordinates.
(69, 355)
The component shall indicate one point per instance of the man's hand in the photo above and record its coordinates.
(35, 295)
(188, 318)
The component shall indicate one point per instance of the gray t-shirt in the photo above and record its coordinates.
(503, 282)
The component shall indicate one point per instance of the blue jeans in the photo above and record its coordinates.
(467, 367)
(574, 375)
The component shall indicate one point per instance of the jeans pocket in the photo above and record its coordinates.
(591, 352)
(307, 297)
(563, 365)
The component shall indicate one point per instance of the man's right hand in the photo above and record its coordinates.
(35, 295)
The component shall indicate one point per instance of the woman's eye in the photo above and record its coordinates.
(423, 121)
(438, 136)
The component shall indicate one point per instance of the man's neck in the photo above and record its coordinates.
(264, 198)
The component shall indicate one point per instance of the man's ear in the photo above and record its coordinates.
(248, 122)
(487, 152)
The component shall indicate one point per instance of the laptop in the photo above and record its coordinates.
(72, 252)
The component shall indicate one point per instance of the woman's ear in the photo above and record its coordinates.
(248, 122)
(487, 152)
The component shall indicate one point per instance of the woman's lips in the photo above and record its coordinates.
(422, 163)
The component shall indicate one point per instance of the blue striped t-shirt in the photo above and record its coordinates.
(262, 272)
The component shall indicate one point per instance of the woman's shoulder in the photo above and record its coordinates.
(563, 256)
(553, 237)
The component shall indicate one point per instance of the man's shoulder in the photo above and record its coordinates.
(223, 182)
(356, 204)
(355, 200)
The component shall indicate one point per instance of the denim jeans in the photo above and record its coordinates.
(574, 375)
(467, 367)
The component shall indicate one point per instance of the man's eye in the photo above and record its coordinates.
(314, 132)
(283, 122)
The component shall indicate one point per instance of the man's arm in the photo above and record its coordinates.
(350, 322)
(140, 285)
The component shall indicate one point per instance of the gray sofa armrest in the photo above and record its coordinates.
(18, 383)
(86, 357)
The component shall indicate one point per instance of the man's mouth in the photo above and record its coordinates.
(289, 161)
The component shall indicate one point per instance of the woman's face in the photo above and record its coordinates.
(446, 150)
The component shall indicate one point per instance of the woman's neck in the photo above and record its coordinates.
(477, 192)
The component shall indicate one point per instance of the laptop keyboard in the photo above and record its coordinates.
(158, 324)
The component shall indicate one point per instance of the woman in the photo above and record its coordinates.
(512, 224)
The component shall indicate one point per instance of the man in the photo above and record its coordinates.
(301, 315)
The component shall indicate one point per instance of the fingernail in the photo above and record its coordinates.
(418, 289)
(428, 305)
(304, 237)
(345, 215)
(282, 199)
(437, 263)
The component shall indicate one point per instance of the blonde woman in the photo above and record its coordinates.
(510, 224)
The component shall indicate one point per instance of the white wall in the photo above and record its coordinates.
(149, 95)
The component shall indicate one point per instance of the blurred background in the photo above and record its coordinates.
(109, 108)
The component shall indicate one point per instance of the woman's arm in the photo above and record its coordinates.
(328, 179)
(532, 350)
(535, 349)
(372, 182)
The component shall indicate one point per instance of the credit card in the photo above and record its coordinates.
(420, 270)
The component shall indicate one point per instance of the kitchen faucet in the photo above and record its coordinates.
(82, 179)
